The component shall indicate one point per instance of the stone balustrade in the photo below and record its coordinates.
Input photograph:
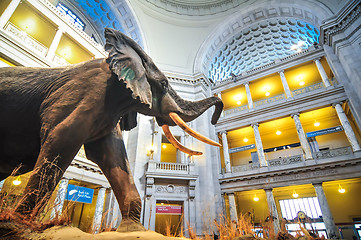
(269, 100)
(331, 153)
(25, 39)
(235, 110)
(308, 89)
(166, 167)
(285, 160)
(245, 167)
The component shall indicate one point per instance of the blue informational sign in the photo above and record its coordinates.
(324, 131)
(79, 194)
(243, 148)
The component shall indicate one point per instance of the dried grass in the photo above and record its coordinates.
(13, 222)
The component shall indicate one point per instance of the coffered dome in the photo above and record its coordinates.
(261, 43)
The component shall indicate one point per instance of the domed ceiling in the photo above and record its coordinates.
(261, 43)
(196, 7)
(104, 14)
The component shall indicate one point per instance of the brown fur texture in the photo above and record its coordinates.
(46, 115)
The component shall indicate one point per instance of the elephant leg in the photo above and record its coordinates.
(110, 155)
(56, 153)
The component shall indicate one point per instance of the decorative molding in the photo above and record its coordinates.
(340, 23)
(170, 188)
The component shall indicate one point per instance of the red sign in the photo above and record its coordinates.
(163, 209)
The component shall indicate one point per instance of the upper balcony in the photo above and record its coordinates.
(36, 33)
(278, 89)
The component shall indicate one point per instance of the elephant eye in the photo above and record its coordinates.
(164, 83)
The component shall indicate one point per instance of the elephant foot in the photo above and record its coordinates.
(127, 225)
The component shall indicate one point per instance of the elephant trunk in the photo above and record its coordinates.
(192, 110)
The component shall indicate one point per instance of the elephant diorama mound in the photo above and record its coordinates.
(47, 114)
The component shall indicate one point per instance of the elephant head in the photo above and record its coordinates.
(151, 88)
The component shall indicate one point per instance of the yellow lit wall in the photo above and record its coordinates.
(3, 5)
(344, 206)
(34, 24)
(168, 222)
(236, 139)
(71, 51)
(307, 72)
(327, 117)
(245, 204)
(271, 84)
(230, 97)
(169, 153)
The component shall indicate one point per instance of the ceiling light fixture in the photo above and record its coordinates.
(316, 124)
(294, 194)
(301, 83)
(255, 198)
(245, 139)
(267, 94)
(164, 146)
(278, 132)
(239, 102)
(340, 189)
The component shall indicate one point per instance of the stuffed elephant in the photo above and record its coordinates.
(47, 114)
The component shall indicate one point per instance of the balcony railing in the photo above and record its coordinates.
(25, 39)
(308, 89)
(245, 167)
(234, 110)
(331, 153)
(166, 167)
(269, 100)
(285, 160)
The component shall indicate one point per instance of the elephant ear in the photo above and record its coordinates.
(127, 64)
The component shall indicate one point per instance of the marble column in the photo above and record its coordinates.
(326, 213)
(285, 85)
(227, 159)
(60, 198)
(322, 72)
(273, 210)
(232, 207)
(182, 155)
(350, 134)
(249, 96)
(9, 11)
(97, 220)
(302, 136)
(259, 145)
(54, 45)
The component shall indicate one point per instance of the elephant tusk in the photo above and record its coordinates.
(179, 121)
(177, 144)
